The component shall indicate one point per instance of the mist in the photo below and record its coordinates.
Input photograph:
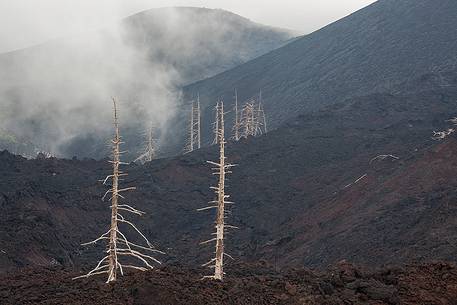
(64, 88)
(58, 95)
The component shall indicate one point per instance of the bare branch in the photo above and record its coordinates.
(383, 157)
(360, 178)
(194, 140)
(440, 135)
(207, 208)
(208, 241)
(100, 238)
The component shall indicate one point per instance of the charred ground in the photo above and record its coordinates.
(247, 284)
(293, 203)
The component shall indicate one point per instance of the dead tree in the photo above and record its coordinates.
(118, 244)
(440, 135)
(263, 118)
(253, 121)
(44, 155)
(248, 119)
(150, 151)
(260, 121)
(194, 141)
(237, 123)
(198, 117)
(221, 169)
(261, 113)
(216, 124)
(356, 181)
(384, 157)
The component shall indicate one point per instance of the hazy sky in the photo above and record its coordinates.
(28, 22)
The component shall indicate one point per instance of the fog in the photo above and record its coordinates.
(57, 95)
(63, 89)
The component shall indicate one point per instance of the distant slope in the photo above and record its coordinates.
(369, 51)
(200, 42)
(297, 202)
(58, 94)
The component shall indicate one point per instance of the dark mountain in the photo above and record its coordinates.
(299, 199)
(372, 50)
(200, 42)
(56, 94)
(196, 42)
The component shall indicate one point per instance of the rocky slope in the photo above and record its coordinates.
(297, 202)
(246, 285)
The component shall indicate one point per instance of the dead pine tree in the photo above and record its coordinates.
(216, 124)
(258, 124)
(253, 121)
(198, 125)
(261, 118)
(194, 138)
(118, 246)
(248, 119)
(237, 123)
(150, 150)
(221, 169)
(260, 121)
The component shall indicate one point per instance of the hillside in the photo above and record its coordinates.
(372, 50)
(295, 203)
(56, 94)
(199, 42)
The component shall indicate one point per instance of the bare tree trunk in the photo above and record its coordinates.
(220, 219)
(112, 271)
(261, 113)
(198, 122)
(194, 140)
(257, 129)
(236, 126)
(253, 121)
(264, 121)
(216, 124)
(219, 204)
(192, 130)
(150, 150)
